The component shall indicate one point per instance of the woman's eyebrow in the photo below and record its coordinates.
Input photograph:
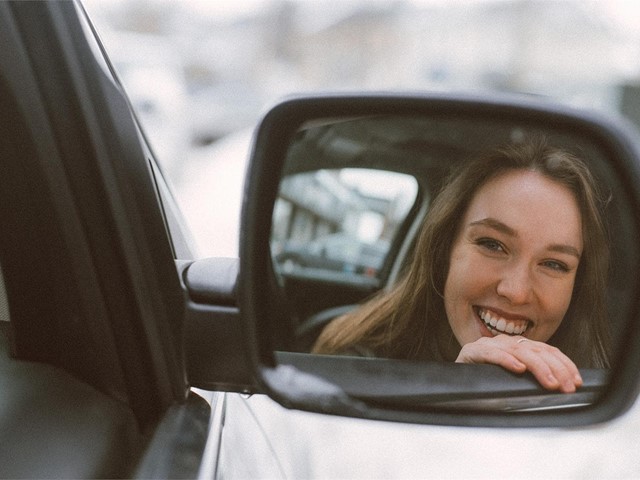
(568, 249)
(496, 225)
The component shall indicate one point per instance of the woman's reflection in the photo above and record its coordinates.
(509, 269)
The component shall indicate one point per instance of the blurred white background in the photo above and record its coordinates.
(200, 72)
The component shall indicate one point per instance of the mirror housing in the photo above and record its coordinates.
(308, 382)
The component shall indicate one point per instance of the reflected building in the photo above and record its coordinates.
(315, 204)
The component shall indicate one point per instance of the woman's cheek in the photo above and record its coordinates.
(554, 303)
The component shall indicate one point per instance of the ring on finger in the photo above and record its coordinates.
(520, 340)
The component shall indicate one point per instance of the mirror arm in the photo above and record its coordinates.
(215, 343)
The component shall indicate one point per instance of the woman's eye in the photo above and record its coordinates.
(555, 265)
(490, 244)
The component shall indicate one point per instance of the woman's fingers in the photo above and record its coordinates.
(485, 350)
(552, 368)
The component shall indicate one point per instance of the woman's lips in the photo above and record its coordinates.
(497, 324)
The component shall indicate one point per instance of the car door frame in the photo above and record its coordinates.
(88, 265)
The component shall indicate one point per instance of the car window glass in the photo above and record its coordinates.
(340, 221)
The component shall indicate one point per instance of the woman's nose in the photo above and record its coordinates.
(515, 284)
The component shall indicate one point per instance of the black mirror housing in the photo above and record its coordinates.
(299, 381)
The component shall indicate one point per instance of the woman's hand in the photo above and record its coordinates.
(552, 368)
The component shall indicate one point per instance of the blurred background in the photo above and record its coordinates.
(200, 73)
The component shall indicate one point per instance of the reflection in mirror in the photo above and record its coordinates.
(339, 222)
(515, 264)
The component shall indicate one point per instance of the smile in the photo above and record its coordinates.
(497, 324)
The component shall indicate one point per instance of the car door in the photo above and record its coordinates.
(92, 365)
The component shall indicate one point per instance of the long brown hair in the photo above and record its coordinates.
(409, 321)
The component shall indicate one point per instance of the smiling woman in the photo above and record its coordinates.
(512, 249)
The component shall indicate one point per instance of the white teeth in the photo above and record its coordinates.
(501, 325)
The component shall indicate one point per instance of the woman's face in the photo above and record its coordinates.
(514, 259)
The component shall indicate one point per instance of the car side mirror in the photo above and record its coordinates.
(422, 137)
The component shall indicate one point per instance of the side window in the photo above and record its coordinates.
(4, 303)
(340, 222)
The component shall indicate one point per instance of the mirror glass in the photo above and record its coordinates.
(353, 197)
(339, 223)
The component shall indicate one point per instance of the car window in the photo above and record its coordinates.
(341, 221)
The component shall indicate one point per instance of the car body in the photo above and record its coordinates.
(93, 368)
